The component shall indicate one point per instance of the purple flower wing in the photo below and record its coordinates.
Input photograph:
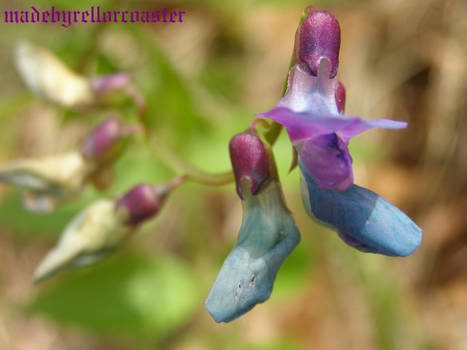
(328, 161)
(361, 125)
(305, 125)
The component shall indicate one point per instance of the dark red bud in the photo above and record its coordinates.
(107, 140)
(142, 202)
(340, 97)
(108, 83)
(250, 160)
(317, 37)
(123, 82)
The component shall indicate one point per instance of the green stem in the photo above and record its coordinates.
(188, 171)
(275, 129)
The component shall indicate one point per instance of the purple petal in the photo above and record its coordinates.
(108, 83)
(304, 125)
(328, 161)
(363, 125)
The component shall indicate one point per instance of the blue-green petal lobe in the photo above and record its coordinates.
(267, 236)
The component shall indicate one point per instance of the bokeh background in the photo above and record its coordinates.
(204, 79)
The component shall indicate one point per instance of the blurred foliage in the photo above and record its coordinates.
(133, 295)
(295, 271)
(14, 217)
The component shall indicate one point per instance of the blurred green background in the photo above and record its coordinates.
(203, 80)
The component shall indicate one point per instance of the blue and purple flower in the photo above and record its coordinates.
(312, 113)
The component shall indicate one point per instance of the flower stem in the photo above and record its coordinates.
(188, 171)
(274, 131)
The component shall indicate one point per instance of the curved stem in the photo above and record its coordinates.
(274, 131)
(188, 171)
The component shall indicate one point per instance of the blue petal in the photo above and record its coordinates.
(267, 236)
(362, 218)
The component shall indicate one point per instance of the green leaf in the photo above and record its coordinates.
(128, 295)
(15, 217)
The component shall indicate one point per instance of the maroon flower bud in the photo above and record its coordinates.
(108, 83)
(340, 97)
(251, 160)
(107, 140)
(142, 202)
(317, 37)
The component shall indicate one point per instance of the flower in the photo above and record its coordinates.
(45, 182)
(47, 76)
(311, 111)
(102, 227)
(267, 236)
(311, 108)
